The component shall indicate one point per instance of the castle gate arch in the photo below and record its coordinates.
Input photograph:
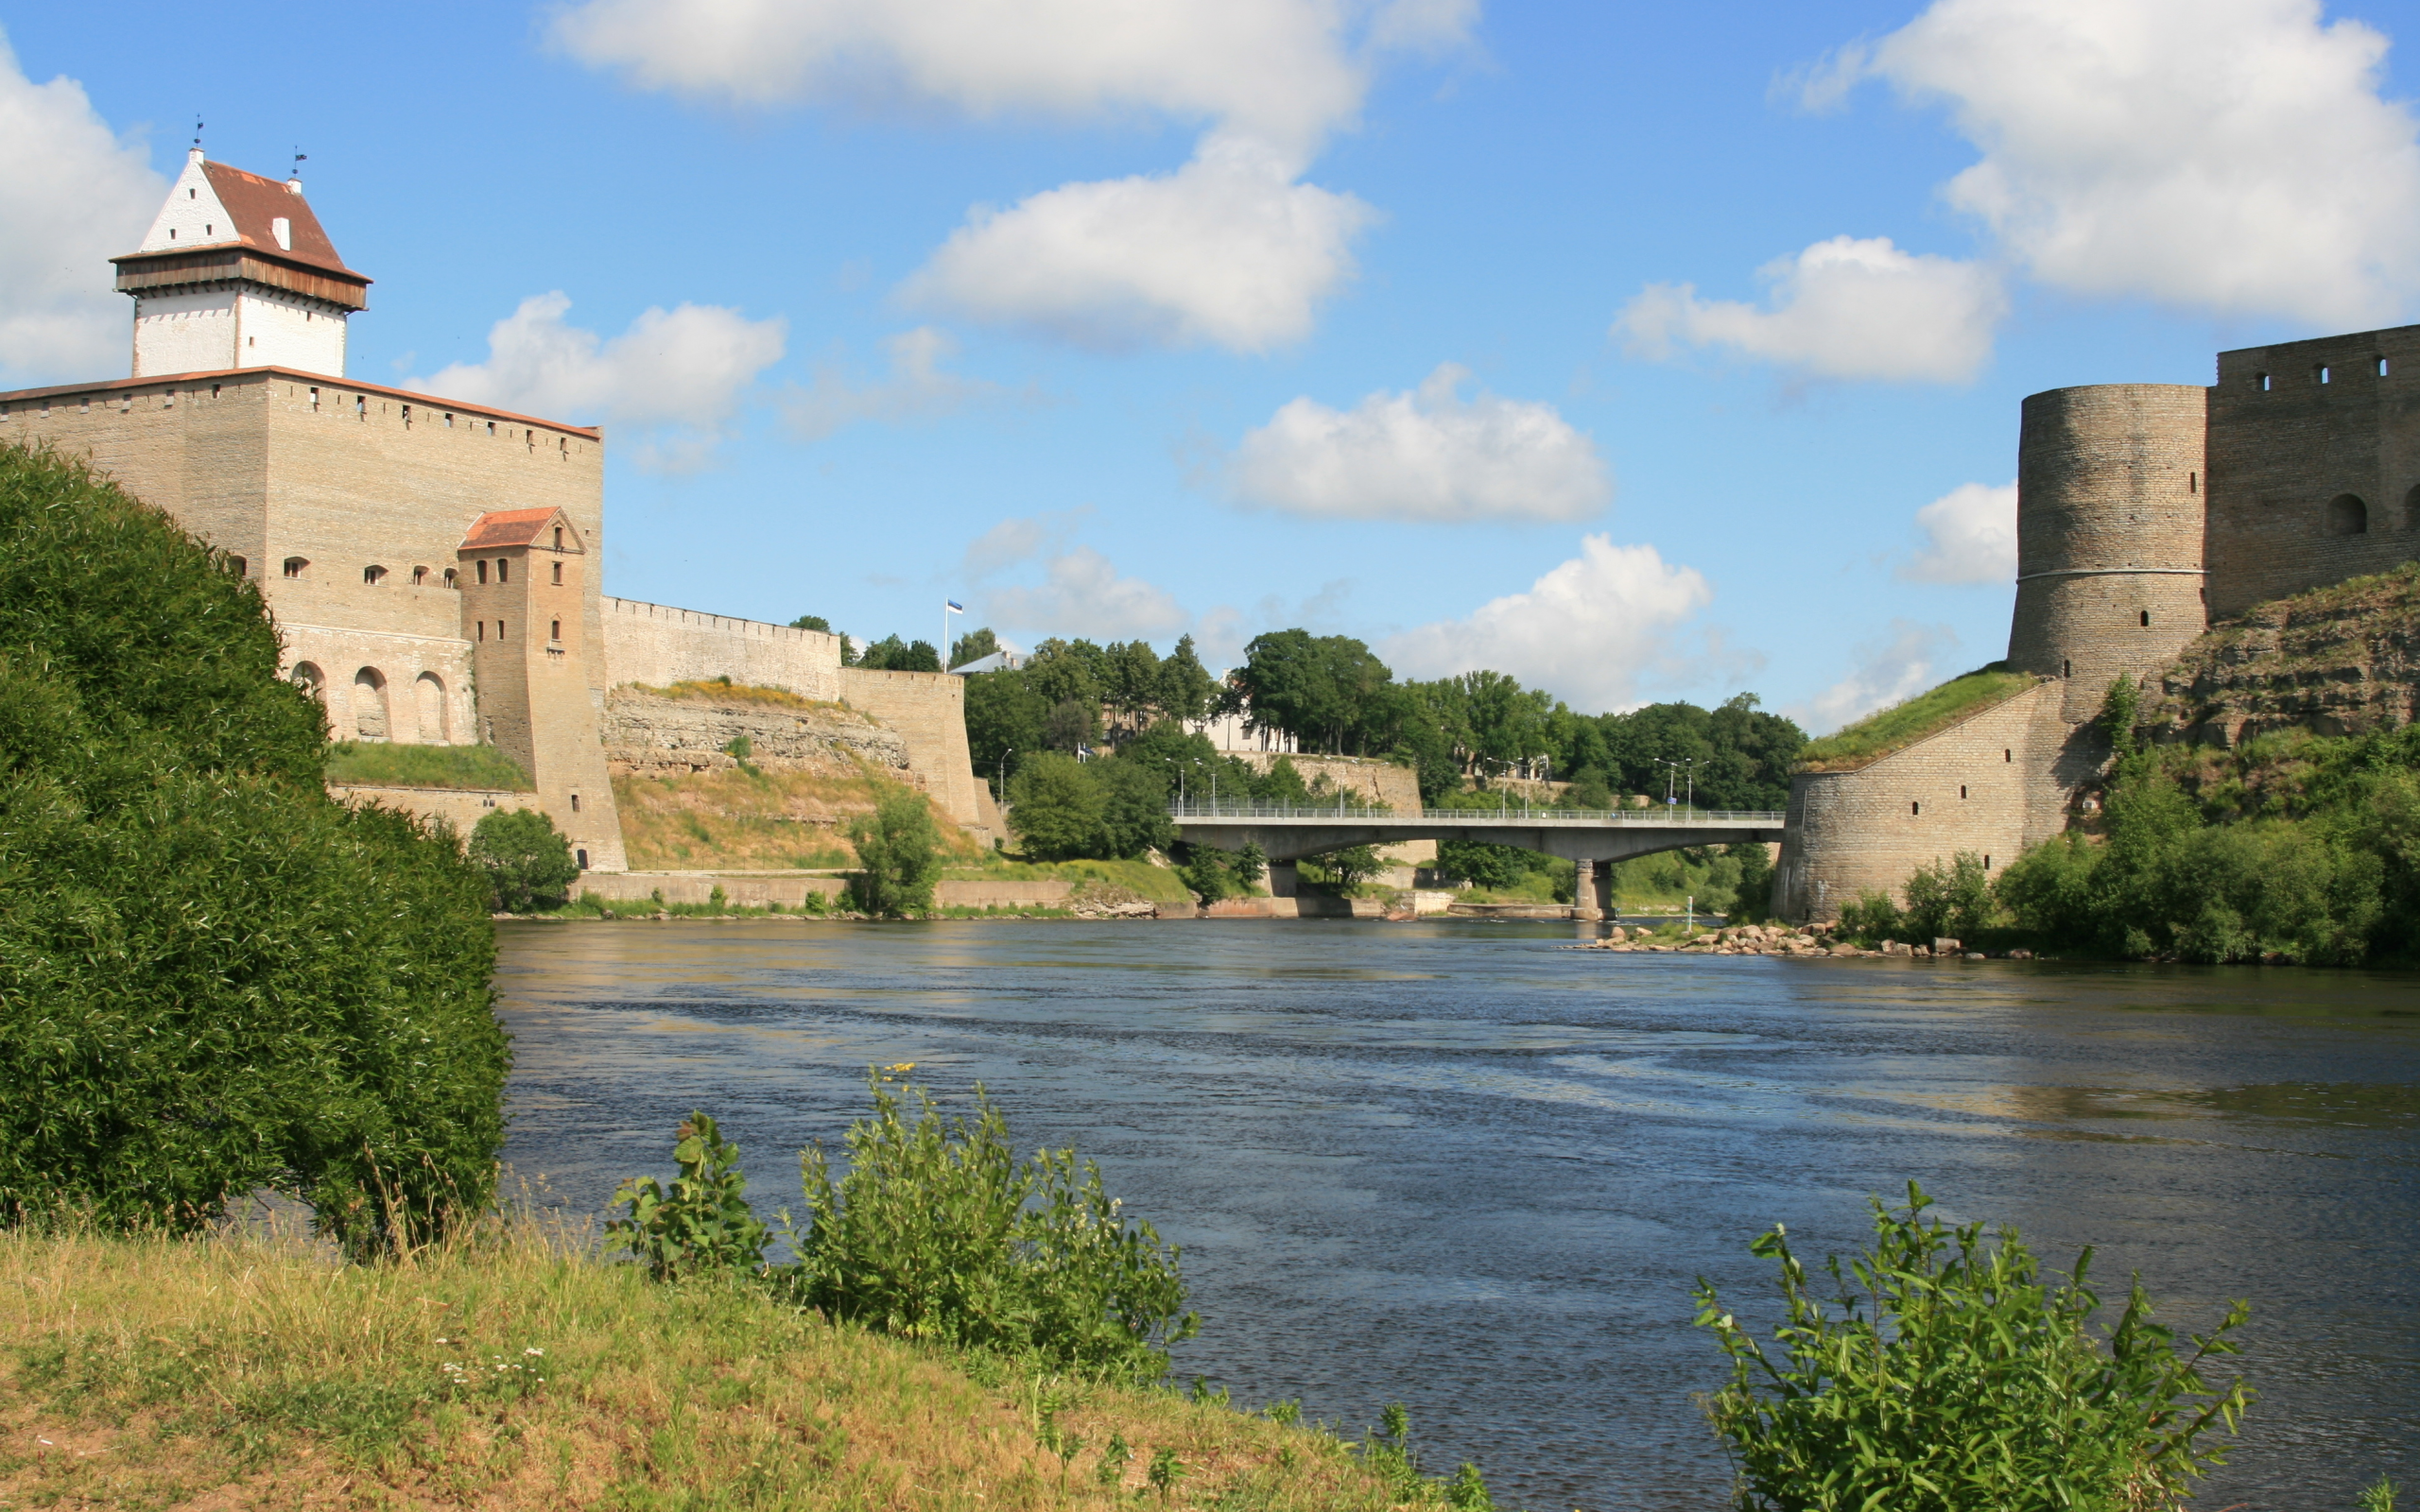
(2348, 515)
(429, 704)
(369, 704)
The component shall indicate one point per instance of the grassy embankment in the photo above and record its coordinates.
(380, 764)
(1878, 734)
(513, 1371)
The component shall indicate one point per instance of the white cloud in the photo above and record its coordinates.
(1585, 632)
(676, 374)
(2226, 154)
(1970, 537)
(1287, 71)
(72, 193)
(1229, 250)
(1888, 672)
(1081, 594)
(1429, 455)
(917, 389)
(1843, 308)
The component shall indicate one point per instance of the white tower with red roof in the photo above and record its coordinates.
(237, 273)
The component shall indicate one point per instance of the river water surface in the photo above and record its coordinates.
(1461, 1166)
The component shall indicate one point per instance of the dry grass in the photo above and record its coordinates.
(745, 819)
(515, 1372)
(722, 692)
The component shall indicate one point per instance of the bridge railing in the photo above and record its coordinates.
(1353, 814)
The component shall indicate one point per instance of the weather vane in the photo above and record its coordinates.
(197, 129)
(301, 158)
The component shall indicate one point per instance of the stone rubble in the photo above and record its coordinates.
(1774, 939)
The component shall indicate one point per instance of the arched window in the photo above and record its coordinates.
(2147, 619)
(452, 579)
(503, 570)
(2348, 515)
(297, 566)
(582, 857)
(2411, 508)
(306, 678)
(483, 570)
(554, 629)
(369, 705)
(420, 577)
(429, 704)
(374, 574)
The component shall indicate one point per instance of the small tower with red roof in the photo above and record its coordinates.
(237, 273)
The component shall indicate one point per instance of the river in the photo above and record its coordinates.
(1458, 1165)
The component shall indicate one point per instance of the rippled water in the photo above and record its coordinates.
(1456, 1165)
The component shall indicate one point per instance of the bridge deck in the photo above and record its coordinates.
(1290, 831)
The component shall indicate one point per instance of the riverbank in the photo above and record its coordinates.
(514, 1370)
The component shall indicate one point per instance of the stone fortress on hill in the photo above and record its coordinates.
(434, 564)
(2145, 512)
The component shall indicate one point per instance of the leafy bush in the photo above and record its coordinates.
(899, 855)
(1213, 873)
(1752, 895)
(703, 1224)
(1347, 868)
(1953, 900)
(528, 861)
(213, 978)
(1947, 1374)
(936, 1232)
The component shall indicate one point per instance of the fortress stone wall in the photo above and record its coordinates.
(2144, 511)
(659, 646)
(928, 709)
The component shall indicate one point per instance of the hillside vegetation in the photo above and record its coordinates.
(1902, 725)
(751, 819)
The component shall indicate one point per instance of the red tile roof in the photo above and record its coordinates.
(511, 527)
(254, 201)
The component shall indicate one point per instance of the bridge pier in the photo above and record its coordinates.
(1590, 882)
(1284, 878)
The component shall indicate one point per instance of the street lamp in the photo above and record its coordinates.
(1691, 767)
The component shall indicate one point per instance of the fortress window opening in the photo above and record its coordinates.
(558, 573)
(2348, 515)
(295, 566)
(554, 629)
(2323, 372)
(453, 579)
(1962, 790)
(2147, 619)
(558, 546)
(420, 577)
(1914, 808)
(2009, 754)
(574, 802)
(2381, 367)
(483, 571)
(374, 574)
(240, 567)
(580, 855)
(503, 570)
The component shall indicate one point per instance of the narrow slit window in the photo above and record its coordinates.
(559, 573)
(554, 629)
(559, 537)
(1914, 808)
(483, 629)
(483, 570)
(2067, 669)
(2262, 379)
(2193, 482)
(2008, 755)
(452, 578)
(2381, 365)
(502, 571)
(582, 855)
(2323, 374)
(574, 802)
(2147, 619)
(499, 629)
(1962, 790)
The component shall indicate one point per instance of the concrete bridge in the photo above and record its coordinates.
(1590, 840)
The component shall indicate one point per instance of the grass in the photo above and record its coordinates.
(513, 1371)
(751, 820)
(381, 764)
(1158, 884)
(1901, 725)
(722, 690)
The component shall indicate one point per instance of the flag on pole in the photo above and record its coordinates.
(955, 606)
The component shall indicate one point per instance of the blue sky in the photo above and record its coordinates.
(1642, 351)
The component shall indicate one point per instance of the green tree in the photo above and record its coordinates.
(1055, 807)
(1004, 719)
(1953, 900)
(1132, 682)
(899, 855)
(812, 622)
(528, 861)
(1069, 672)
(973, 647)
(1134, 808)
(1752, 897)
(213, 978)
(1187, 690)
(1072, 725)
(891, 654)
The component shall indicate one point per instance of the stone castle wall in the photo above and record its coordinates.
(928, 709)
(1993, 783)
(2315, 465)
(648, 735)
(659, 646)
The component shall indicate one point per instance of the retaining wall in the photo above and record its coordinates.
(658, 645)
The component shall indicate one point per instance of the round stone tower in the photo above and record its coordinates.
(2110, 487)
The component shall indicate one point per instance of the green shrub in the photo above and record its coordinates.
(1055, 807)
(528, 861)
(703, 1224)
(1752, 895)
(1953, 900)
(1213, 873)
(936, 1231)
(1874, 916)
(899, 855)
(213, 978)
(1948, 1375)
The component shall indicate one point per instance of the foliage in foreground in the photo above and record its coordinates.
(1949, 1374)
(703, 1224)
(213, 978)
(899, 855)
(509, 1370)
(937, 1232)
(528, 861)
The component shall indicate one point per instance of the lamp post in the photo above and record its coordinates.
(1005, 753)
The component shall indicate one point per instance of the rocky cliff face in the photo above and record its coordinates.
(2337, 660)
(652, 734)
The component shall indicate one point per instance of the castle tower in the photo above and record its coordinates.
(2111, 487)
(522, 582)
(237, 273)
